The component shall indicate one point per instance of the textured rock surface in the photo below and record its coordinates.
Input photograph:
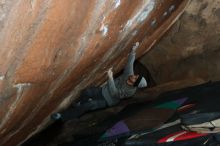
(51, 49)
(191, 48)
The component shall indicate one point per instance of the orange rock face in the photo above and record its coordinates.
(52, 49)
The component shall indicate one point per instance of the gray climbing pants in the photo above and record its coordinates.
(90, 99)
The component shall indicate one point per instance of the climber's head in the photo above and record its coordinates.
(136, 81)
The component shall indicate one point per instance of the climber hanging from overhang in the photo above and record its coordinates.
(109, 94)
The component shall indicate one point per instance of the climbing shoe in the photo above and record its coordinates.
(56, 116)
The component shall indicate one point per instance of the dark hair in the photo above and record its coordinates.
(136, 83)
